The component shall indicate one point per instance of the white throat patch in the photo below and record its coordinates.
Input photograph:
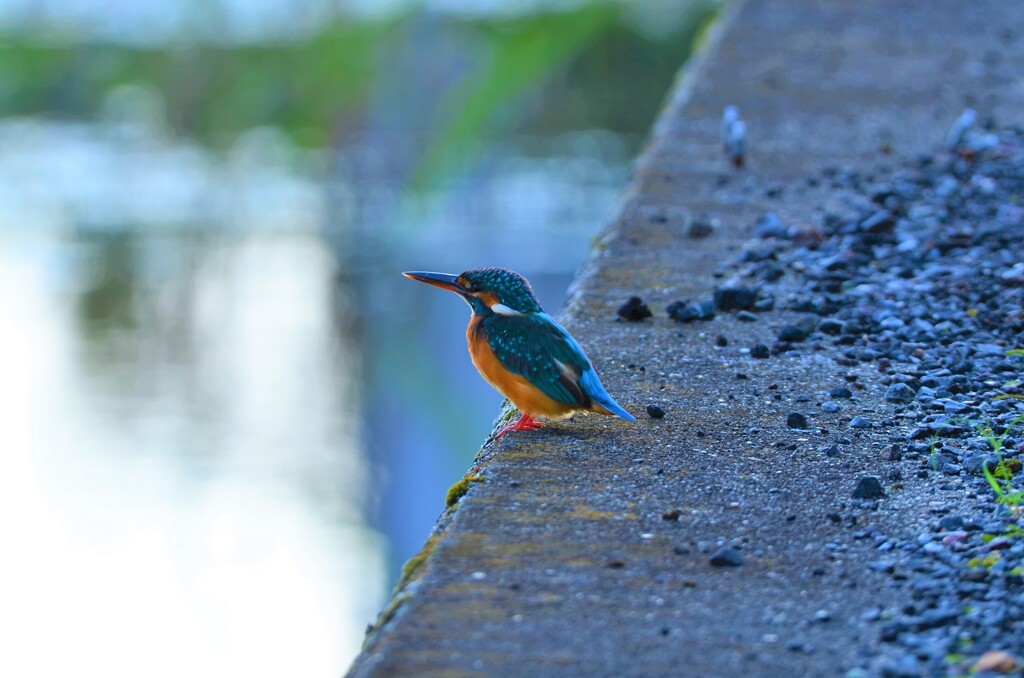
(502, 309)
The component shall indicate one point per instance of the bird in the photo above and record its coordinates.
(522, 351)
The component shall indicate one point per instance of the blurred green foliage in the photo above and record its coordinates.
(521, 53)
(588, 67)
(212, 92)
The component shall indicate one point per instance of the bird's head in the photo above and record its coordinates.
(486, 290)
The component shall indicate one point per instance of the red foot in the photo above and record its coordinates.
(525, 423)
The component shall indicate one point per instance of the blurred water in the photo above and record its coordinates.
(181, 478)
(226, 418)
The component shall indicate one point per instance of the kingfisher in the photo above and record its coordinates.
(522, 352)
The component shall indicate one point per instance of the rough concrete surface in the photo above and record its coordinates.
(586, 547)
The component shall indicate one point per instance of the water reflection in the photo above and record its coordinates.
(131, 174)
(181, 465)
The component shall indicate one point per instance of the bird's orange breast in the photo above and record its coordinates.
(524, 395)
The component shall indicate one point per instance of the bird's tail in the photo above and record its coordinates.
(613, 408)
(603, 402)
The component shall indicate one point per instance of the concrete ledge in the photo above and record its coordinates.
(583, 548)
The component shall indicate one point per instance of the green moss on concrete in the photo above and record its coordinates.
(410, 571)
(412, 566)
(459, 489)
(388, 612)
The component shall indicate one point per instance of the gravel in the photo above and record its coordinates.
(922, 281)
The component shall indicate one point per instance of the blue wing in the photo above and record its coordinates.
(589, 382)
(535, 346)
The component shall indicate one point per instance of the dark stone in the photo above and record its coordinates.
(881, 221)
(721, 341)
(951, 523)
(890, 633)
(974, 463)
(840, 392)
(934, 619)
(699, 229)
(832, 450)
(860, 422)
(868, 487)
(796, 420)
(791, 333)
(734, 298)
(772, 272)
(760, 351)
(954, 407)
(770, 226)
(831, 326)
(655, 412)
(921, 432)
(899, 393)
(634, 310)
(683, 312)
(883, 566)
(948, 431)
(726, 557)
(804, 305)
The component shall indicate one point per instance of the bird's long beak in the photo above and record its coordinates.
(445, 281)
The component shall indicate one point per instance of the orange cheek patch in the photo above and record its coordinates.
(489, 298)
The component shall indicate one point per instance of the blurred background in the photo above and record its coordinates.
(225, 418)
